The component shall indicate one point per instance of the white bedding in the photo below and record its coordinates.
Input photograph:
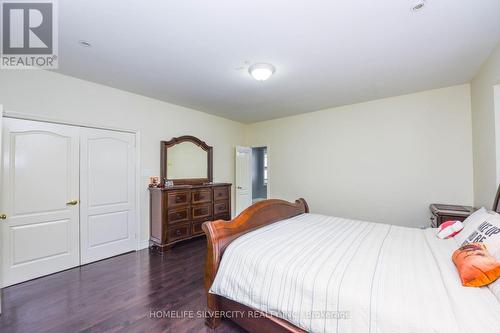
(312, 269)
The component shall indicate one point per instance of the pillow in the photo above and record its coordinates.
(471, 223)
(449, 229)
(495, 286)
(486, 230)
(476, 266)
(483, 229)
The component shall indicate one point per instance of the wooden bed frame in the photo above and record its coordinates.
(219, 235)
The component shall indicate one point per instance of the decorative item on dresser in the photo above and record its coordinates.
(443, 213)
(177, 212)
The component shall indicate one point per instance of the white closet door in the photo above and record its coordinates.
(40, 180)
(107, 187)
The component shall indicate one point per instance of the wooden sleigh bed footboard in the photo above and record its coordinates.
(219, 235)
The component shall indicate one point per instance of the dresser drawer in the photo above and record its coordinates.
(177, 198)
(221, 193)
(221, 207)
(201, 196)
(201, 211)
(178, 215)
(178, 232)
(225, 217)
(196, 227)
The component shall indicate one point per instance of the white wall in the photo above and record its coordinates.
(483, 129)
(59, 97)
(382, 161)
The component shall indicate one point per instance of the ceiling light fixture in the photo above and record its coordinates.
(419, 6)
(261, 72)
(84, 43)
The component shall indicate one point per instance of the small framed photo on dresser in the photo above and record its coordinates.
(154, 181)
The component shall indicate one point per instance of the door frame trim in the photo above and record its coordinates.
(139, 244)
(26, 116)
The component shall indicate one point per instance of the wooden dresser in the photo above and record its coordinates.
(178, 212)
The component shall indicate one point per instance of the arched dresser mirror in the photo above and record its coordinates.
(187, 196)
(186, 160)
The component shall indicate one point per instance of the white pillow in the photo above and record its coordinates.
(495, 286)
(484, 226)
(492, 234)
(471, 223)
(486, 232)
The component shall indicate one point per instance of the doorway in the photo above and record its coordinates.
(252, 176)
(259, 174)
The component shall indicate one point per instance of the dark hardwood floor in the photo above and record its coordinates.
(121, 294)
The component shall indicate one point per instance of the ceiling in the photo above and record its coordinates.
(326, 53)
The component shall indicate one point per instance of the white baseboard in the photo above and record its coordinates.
(143, 244)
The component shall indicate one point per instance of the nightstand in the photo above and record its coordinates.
(443, 213)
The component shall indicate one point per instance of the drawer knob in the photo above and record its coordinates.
(178, 232)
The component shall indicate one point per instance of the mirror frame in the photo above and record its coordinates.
(188, 181)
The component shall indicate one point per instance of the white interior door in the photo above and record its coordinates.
(107, 187)
(40, 179)
(243, 178)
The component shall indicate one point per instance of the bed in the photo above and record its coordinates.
(278, 268)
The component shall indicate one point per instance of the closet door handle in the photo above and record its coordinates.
(3, 217)
(72, 203)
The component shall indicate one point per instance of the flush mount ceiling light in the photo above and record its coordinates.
(418, 6)
(261, 72)
(84, 43)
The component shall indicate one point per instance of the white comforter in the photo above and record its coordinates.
(327, 274)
